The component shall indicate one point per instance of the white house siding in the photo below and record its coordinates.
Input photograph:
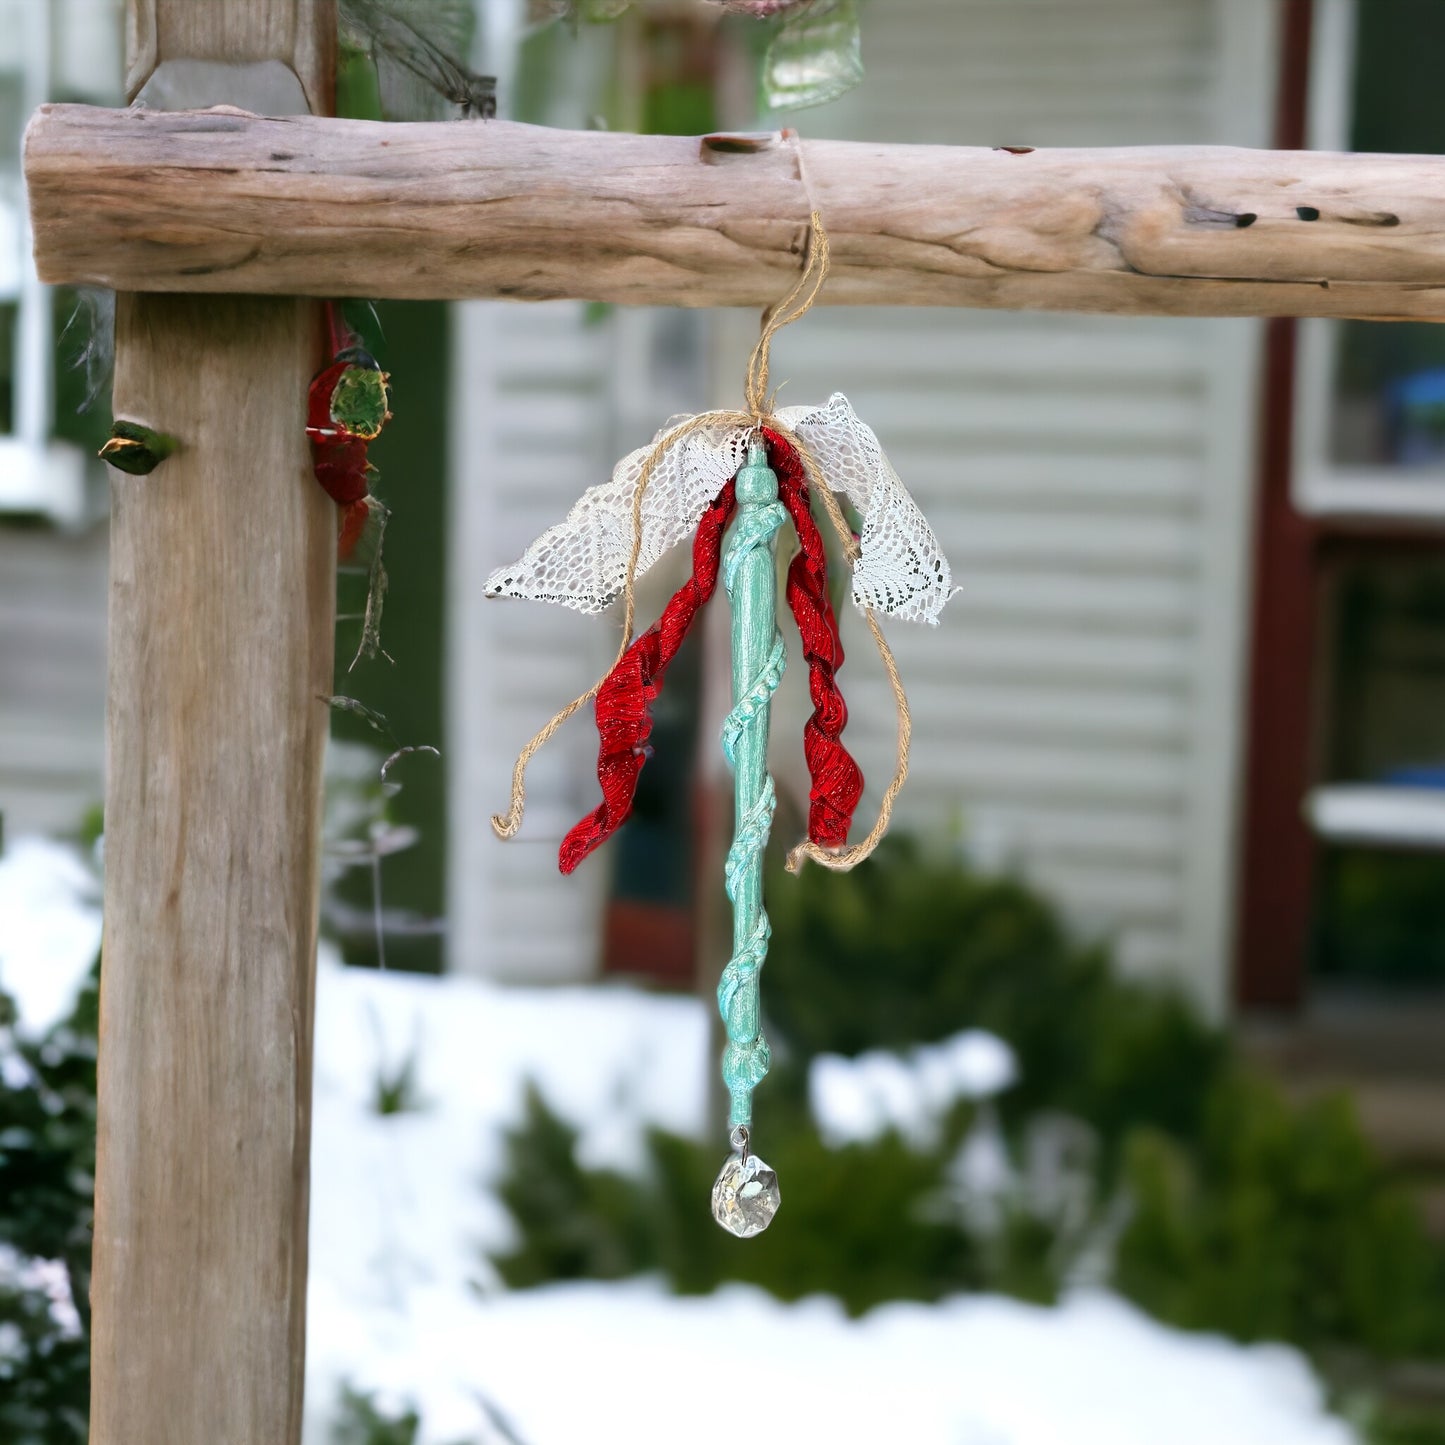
(1077, 712)
(52, 583)
(530, 425)
(547, 399)
(52, 678)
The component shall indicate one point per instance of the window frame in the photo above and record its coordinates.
(1321, 487)
(37, 476)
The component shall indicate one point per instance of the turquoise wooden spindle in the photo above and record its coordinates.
(750, 575)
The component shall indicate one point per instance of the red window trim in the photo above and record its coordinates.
(1277, 853)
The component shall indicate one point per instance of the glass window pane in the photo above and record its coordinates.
(1379, 900)
(1379, 918)
(1389, 379)
(1386, 670)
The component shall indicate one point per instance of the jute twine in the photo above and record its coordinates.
(797, 303)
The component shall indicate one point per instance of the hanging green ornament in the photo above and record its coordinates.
(816, 56)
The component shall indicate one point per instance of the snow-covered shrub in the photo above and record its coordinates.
(47, 1166)
(1196, 1189)
(913, 949)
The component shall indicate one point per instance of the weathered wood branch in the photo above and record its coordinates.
(223, 201)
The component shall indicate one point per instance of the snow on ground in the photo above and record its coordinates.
(403, 1195)
(49, 929)
(402, 1303)
(627, 1363)
(857, 1100)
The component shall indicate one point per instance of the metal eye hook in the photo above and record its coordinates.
(741, 1140)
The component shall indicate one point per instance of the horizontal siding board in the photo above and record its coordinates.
(1161, 362)
(1028, 480)
(1104, 774)
(551, 422)
(1139, 893)
(1062, 656)
(1155, 837)
(52, 677)
(1004, 411)
(554, 359)
(1152, 953)
(1126, 603)
(1050, 712)
(1166, 545)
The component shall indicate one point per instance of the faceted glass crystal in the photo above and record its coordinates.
(746, 1196)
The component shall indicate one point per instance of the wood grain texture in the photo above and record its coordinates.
(220, 651)
(221, 634)
(229, 202)
(300, 32)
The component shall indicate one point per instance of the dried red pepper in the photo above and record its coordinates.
(347, 406)
(346, 410)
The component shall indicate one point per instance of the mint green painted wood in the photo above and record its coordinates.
(750, 575)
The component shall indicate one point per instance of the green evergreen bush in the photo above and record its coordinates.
(912, 949)
(856, 1225)
(1243, 1213)
(1281, 1224)
(574, 1223)
(47, 1185)
(361, 1419)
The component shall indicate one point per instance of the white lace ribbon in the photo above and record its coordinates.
(582, 561)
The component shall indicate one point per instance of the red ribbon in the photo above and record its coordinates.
(625, 698)
(837, 779)
(624, 701)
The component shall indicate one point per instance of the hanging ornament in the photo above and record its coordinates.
(751, 472)
(347, 405)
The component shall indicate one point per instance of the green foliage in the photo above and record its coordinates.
(394, 1090)
(361, 1421)
(1382, 1423)
(579, 1223)
(1283, 1224)
(47, 1173)
(411, 339)
(358, 91)
(855, 1225)
(1244, 1214)
(910, 950)
(44, 1373)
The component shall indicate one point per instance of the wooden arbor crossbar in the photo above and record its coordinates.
(222, 572)
(224, 201)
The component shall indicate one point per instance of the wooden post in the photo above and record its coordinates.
(221, 631)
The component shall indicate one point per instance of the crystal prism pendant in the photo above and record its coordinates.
(745, 1196)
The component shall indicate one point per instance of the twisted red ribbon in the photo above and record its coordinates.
(625, 698)
(837, 779)
(624, 701)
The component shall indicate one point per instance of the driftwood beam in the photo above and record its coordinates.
(224, 201)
